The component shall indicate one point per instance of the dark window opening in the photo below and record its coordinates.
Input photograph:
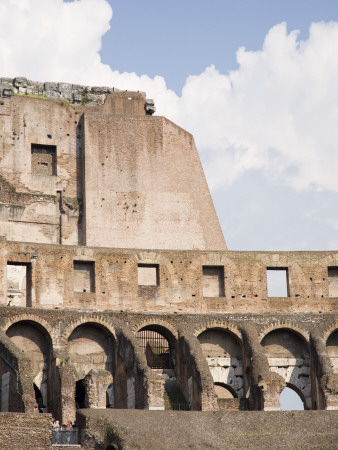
(43, 159)
(39, 399)
(80, 395)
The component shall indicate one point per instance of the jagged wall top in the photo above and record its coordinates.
(74, 93)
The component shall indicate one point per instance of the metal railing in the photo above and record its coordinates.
(65, 437)
(181, 407)
(156, 348)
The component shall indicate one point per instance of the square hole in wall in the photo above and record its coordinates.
(43, 159)
(278, 281)
(19, 284)
(213, 281)
(84, 276)
(333, 281)
(148, 275)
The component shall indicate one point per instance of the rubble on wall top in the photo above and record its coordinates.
(74, 93)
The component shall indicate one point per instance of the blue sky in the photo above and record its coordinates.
(178, 38)
(259, 97)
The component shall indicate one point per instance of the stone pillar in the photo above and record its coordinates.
(67, 374)
(265, 386)
(328, 380)
(96, 383)
(192, 365)
(155, 392)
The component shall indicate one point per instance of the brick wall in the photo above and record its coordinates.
(25, 431)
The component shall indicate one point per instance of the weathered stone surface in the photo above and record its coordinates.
(25, 431)
(20, 82)
(150, 107)
(217, 430)
(116, 286)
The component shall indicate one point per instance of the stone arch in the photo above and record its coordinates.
(224, 391)
(160, 323)
(332, 349)
(229, 327)
(288, 355)
(91, 319)
(90, 333)
(91, 352)
(297, 391)
(329, 331)
(34, 340)
(303, 334)
(159, 345)
(224, 352)
(40, 323)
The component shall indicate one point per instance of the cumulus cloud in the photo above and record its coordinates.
(276, 113)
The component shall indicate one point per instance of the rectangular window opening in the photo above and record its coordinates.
(19, 284)
(278, 281)
(213, 281)
(84, 276)
(148, 274)
(333, 281)
(43, 159)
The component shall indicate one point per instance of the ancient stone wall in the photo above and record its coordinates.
(116, 286)
(98, 278)
(212, 352)
(143, 178)
(24, 431)
(73, 93)
(105, 175)
(186, 430)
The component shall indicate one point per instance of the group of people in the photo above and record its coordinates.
(63, 434)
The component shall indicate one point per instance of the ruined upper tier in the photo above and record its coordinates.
(91, 166)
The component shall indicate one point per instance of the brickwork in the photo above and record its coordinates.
(112, 279)
(108, 236)
(25, 431)
(218, 430)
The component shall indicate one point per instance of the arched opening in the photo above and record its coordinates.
(110, 399)
(35, 342)
(224, 353)
(91, 351)
(80, 395)
(224, 391)
(157, 347)
(288, 355)
(291, 399)
(332, 350)
(39, 399)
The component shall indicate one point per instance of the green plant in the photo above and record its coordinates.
(41, 97)
(64, 362)
(85, 98)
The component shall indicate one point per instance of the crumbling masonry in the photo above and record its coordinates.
(116, 286)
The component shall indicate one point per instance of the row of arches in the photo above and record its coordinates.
(101, 378)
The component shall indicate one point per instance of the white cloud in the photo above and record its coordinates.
(53, 40)
(277, 112)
